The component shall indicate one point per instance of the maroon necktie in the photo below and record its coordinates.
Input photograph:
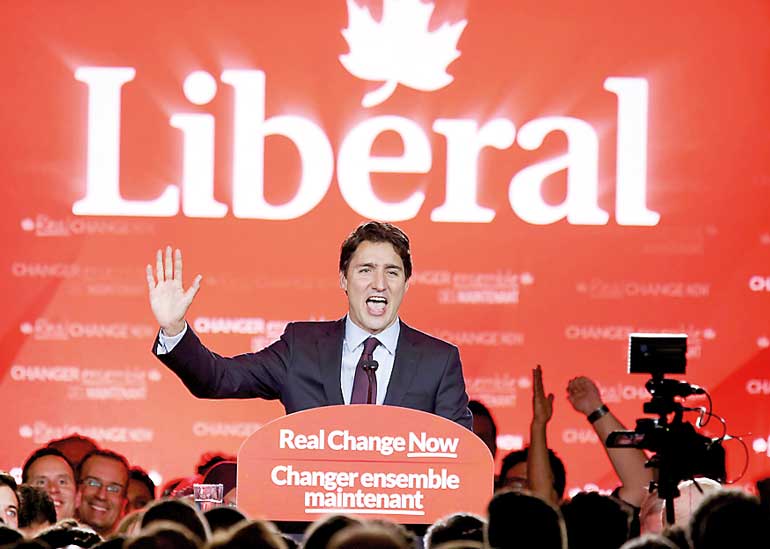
(365, 382)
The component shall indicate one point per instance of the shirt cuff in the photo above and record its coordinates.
(166, 344)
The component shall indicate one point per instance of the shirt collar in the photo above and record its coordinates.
(355, 336)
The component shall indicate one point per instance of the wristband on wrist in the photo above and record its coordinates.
(597, 414)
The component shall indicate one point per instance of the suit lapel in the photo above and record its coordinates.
(330, 360)
(404, 367)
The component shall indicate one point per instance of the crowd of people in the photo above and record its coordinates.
(74, 493)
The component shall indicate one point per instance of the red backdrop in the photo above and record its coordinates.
(567, 176)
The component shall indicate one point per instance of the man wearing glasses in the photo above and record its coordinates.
(101, 496)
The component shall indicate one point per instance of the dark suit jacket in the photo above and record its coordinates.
(302, 369)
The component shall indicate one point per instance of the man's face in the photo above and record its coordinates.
(54, 475)
(375, 283)
(138, 495)
(9, 506)
(102, 493)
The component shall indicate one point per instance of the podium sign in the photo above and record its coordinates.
(375, 461)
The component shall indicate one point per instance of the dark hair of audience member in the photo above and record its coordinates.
(677, 534)
(398, 529)
(140, 475)
(480, 413)
(290, 542)
(223, 518)
(164, 535)
(461, 544)
(36, 507)
(459, 526)
(728, 518)
(115, 542)
(31, 544)
(376, 231)
(40, 453)
(9, 481)
(595, 521)
(319, 533)
(179, 512)
(257, 534)
(9, 536)
(522, 520)
(101, 452)
(209, 459)
(371, 536)
(649, 541)
(69, 532)
(519, 456)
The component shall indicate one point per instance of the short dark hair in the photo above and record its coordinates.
(557, 468)
(376, 231)
(456, 527)
(179, 512)
(140, 475)
(41, 453)
(10, 482)
(109, 454)
(35, 506)
(518, 519)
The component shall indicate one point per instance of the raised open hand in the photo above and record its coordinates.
(542, 405)
(584, 395)
(168, 298)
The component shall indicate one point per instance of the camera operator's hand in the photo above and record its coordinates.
(168, 298)
(584, 395)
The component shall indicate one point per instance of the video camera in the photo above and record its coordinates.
(680, 452)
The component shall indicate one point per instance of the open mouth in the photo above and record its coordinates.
(375, 305)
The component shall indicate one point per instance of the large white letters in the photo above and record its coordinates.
(465, 140)
(580, 207)
(355, 163)
(103, 164)
(251, 128)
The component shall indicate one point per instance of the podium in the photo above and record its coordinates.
(386, 462)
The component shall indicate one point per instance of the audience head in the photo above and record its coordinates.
(226, 474)
(36, 510)
(9, 501)
(319, 533)
(513, 471)
(649, 541)
(223, 518)
(74, 447)
(459, 526)
(522, 520)
(371, 536)
(49, 469)
(9, 535)
(179, 512)
(255, 534)
(67, 533)
(484, 425)
(163, 535)
(102, 482)
(728, 518)
(140, 491)
(595, 521)
(691, 494)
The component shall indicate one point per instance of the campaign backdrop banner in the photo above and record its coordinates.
(568, 174)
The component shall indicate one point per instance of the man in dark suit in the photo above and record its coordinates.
(320, 363)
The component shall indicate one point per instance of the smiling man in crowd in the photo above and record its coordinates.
(48, 468)
(102, 484)
(323, 363)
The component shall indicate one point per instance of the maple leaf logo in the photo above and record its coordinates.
(399, 49)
